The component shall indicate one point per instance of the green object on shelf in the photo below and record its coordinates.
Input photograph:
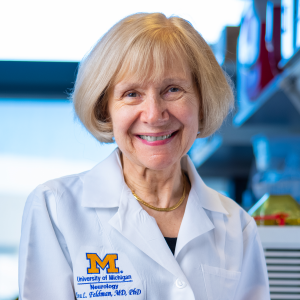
(273, 210)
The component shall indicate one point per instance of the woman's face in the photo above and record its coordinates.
(155, 123)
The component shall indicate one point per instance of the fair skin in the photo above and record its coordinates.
(167, 108)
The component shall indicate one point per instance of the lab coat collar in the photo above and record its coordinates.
(103, 185)
(207, 197)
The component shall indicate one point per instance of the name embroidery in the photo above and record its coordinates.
(113, 284)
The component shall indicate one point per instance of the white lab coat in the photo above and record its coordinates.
(68, 220)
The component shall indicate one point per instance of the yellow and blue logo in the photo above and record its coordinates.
(96, 263)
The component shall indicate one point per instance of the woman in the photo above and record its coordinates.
(152, 85)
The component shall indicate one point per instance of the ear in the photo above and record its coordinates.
(200, 115)
(201, 119)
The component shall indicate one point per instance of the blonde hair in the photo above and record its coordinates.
(144, 45)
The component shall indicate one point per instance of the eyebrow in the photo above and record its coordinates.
(134, 84)
(178, 79)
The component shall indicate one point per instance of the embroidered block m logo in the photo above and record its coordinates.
(95, 261)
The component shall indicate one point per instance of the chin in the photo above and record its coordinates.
(159, 162)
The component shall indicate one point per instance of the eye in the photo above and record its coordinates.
(174, 90)
(131, 95)
(173, 93)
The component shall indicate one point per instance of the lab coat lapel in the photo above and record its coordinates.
(194, 223)
(201, 199)
(139, 228)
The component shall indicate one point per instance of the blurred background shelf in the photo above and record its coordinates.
(262, 58)
(279, 101)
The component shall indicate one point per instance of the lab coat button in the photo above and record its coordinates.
(180, 284)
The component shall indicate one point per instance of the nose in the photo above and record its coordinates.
(155, 111)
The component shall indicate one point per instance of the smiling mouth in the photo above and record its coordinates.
(150, 138)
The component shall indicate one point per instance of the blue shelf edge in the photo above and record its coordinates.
(202, 149)
(248, 110)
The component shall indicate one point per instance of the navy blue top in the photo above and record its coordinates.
(171, 243)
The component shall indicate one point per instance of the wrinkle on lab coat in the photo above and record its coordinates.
(85, 236)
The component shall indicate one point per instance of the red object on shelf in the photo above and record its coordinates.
(260, 48)
(273, 36)
(280, 218)
(260, 73)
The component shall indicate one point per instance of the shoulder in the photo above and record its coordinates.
(45, 198)
(65, 184)
(68, 192)
(58, 186)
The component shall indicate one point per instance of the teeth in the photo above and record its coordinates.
(150, 138)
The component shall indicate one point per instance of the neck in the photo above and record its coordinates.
(160, 188)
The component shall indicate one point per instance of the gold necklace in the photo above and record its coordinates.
(163, 209)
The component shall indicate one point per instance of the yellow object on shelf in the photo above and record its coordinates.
(276, 210)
